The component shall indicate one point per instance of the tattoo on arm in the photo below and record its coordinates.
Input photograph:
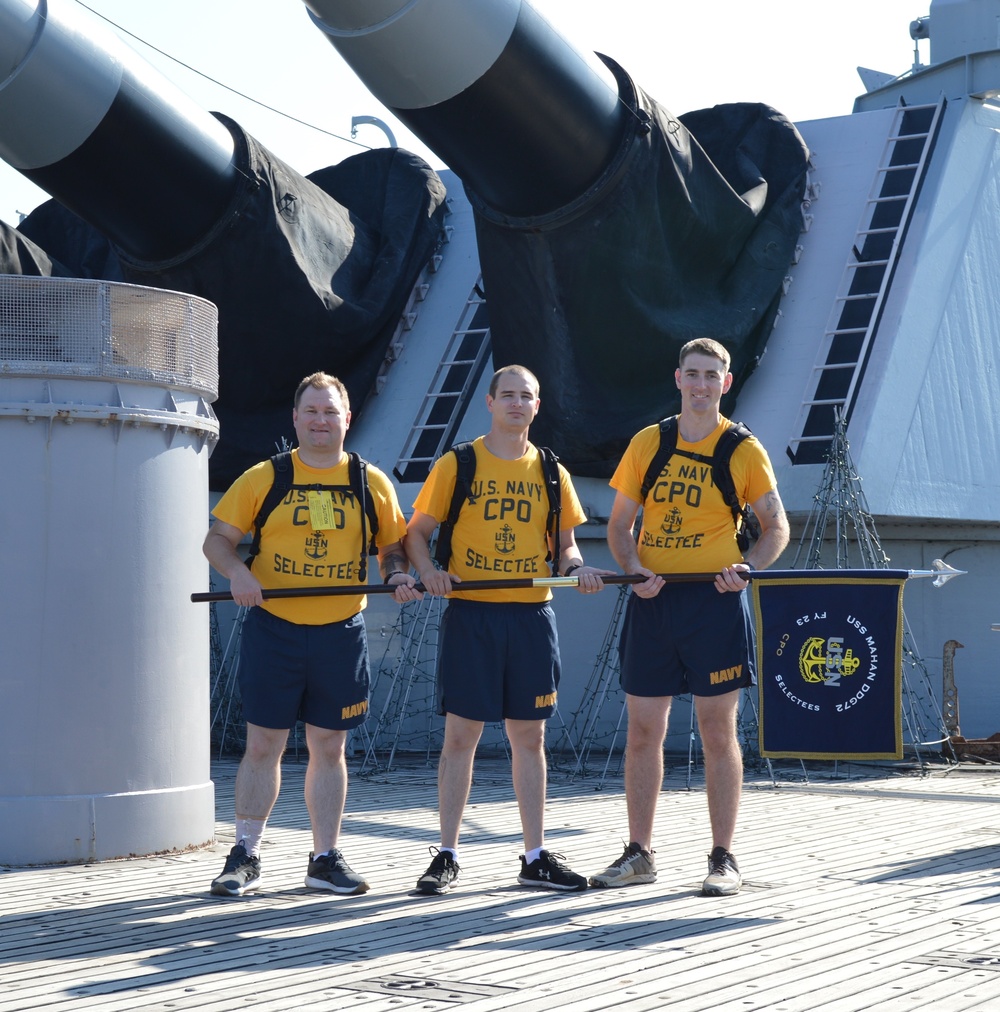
(773, 505)
(395, 562)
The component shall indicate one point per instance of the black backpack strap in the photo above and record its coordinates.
(284, 478)
(553, 486)
(747, 527)
(668, 443)
(357, 470)
(465, 454)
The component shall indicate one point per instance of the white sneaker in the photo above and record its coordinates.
(724, 877)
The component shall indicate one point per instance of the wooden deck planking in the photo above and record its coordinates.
(854, 888)
(684, 978)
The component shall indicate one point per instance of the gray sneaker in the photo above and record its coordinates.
(724, 877)
(634, 867)
(240, 875)
(331, 871)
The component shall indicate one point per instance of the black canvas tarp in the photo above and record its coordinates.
(19, 255)
(308, 273)
(688, 233)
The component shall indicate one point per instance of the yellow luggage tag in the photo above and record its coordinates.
(321, 510)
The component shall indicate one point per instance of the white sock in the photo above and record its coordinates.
(450, 850)
(249, 832)
(530, 856)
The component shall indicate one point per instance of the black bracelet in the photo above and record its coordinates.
(395, 572)
(572, 569)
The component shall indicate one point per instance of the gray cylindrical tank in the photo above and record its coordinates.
(105, 434)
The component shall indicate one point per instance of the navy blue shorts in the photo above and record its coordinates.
(498, 661)
(318, 673)
(689, 638)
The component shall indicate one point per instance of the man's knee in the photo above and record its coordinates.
(647, 721)
(461, 735)
(325, 745)
(717, 723)
(526, 735)
(265, 745)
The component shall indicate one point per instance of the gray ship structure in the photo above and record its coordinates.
(851, 265)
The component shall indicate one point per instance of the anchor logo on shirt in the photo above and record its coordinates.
(671, 522)
(504, 541)
(316, 546)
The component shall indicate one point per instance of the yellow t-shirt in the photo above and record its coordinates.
(686, 525)
(501, 535)
(293, 553)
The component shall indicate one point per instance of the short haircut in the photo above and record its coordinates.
(322, 381)
(705, 346)
(526, 373)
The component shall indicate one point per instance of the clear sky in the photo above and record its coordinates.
(798, 55)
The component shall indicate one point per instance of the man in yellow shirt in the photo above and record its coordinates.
(498, 650)
(303, 657)
(688, 637)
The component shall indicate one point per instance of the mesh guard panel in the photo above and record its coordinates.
(107, 330)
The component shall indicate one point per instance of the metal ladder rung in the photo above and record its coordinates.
(448, 362)
(877, 231)
(902, 167)
(895, 138)
(833, 367)
(895, 199)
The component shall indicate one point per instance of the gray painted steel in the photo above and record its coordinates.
(396, 46)
(66, 70)
(105, 431)
(69, 95)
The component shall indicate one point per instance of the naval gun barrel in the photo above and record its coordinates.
(87, 120)
(610, 231)
(524, 119)
(150, 189)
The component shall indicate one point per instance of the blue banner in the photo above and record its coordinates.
(829, 664)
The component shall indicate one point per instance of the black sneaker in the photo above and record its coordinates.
(724, 877)
(240, 875)
(440, 876)
(547, 871)
(331, 871)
